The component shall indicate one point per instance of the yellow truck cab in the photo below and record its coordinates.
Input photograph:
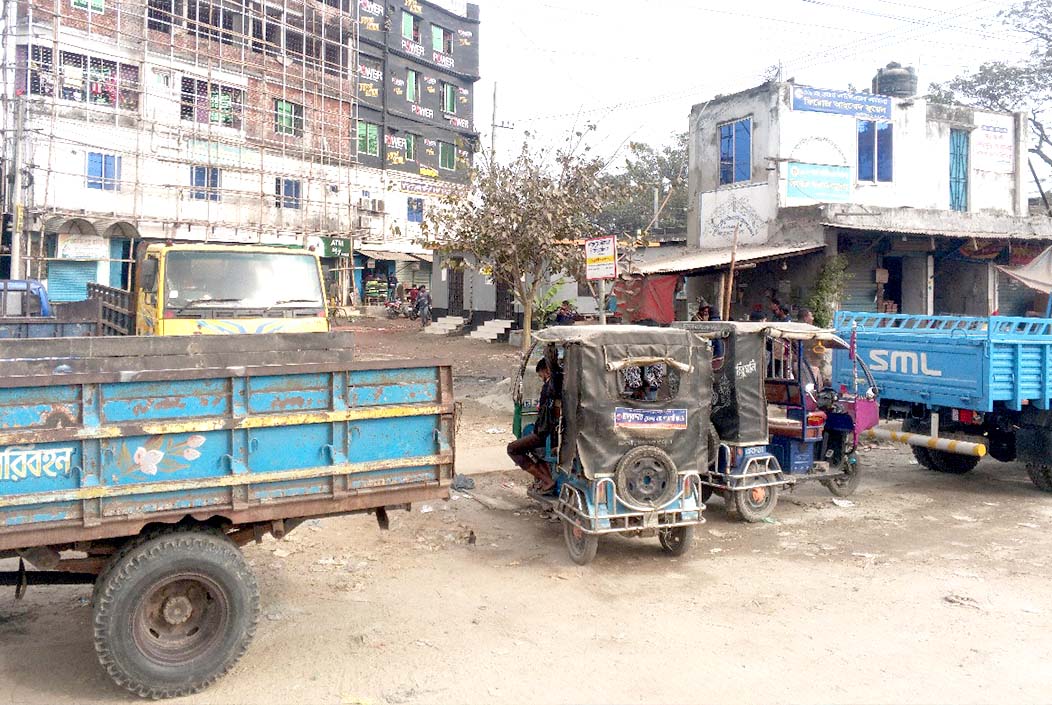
(215, 289)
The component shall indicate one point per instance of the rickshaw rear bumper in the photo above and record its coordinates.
(760, 470)
(598, 509)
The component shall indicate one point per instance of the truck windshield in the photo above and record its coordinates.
(248, 280)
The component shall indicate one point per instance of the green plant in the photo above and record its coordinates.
(545, 304)
(828, 290)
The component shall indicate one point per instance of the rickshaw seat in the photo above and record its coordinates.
(787, 427)
(785, 393)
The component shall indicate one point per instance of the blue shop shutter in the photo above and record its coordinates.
(68, 281)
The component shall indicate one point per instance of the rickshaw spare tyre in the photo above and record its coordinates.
(646, 477)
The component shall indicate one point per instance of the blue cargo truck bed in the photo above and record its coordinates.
(954, 361)
(979, 379)
(144, 452)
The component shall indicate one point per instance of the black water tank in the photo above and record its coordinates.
(896, 81)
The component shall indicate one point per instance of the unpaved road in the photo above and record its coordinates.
(930, 589)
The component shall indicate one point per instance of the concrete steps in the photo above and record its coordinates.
(447, 325)
(492, 331)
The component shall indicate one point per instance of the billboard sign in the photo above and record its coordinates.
(859, 105)
(600, 258)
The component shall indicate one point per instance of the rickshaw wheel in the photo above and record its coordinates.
(754, 504)
(646, 476)
(580, 545)
(846, 484)
(676, 540)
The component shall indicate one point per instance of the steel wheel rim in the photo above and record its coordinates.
(757, 496)
(647, 480)
(182, 618)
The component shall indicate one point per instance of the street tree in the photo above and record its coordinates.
(525, 220)
(1020, 86)
(647, 168)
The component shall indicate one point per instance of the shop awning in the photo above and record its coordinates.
(69, 225)
(696, 260)
(389, 256)
(1036, 275)
(116, 229)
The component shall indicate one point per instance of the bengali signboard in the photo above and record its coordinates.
(83, 247)
(993, 145)
(600, 258)
(860, 105)
(818, 183)
(665, 419)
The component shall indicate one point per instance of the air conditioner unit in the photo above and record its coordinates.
(365, 204)
(365, 222)
(378, 205)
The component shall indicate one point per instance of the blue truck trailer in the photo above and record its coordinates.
(143, 464)
(980, 379)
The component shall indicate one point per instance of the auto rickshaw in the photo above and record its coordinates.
(635, 413)
(778, 418)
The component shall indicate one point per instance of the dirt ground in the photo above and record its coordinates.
(925, 588)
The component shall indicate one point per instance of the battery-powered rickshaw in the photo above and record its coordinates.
(778, 418)
(634, 421)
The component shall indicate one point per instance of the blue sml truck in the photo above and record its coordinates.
(953, 378)
(142, 464)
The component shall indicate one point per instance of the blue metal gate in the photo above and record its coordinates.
(958, 170)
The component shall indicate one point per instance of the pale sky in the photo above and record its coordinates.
(636, 68)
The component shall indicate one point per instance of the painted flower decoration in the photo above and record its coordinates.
(195, 441)
(191, 454)
(147, 460)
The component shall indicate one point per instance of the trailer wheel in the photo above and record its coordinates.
(1041, 476)
(754, 504)
(677, 540)
(175, 613)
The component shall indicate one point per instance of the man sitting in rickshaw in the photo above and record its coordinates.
(521, 451)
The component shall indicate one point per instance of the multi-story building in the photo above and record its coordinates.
(417, 65)
(922, 198)
(203, 120)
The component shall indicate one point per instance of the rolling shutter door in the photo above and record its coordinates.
(68, 281)
(860, 289)
(1013, 297)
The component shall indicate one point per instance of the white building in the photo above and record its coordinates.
(921, 198)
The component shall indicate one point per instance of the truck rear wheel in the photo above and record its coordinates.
(1041, 476)
(923, 455)
(953, 463)
(175, 613)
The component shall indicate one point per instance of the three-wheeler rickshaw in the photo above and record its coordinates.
(778, 418)
(635, 405)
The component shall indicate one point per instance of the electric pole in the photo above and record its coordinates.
(494, 126)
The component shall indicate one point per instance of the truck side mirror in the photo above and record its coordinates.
(148, 274)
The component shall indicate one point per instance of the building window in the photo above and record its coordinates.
(959, 170)
(447, 156)
(159, 16)
(410, 26)
(288, 118)
(441, 39)
(415, 210)
(208, 180)
(41, 71)
(874, 151)
(410, 147)
(736, 151)
(286, 193)
(82, 79)
(104, 171)
(368, 138)
(412, 86)
(211, 103)
(449, 98)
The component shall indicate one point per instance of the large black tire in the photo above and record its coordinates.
(581, 546)
(647, 477)
(175, 613)
(953, 463)
(676, 541)
(923, 455)
(1041, 476)
(754, 504)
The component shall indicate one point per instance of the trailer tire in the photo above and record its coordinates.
(754, 504)
(953, 463)
(175, 613)
(1041, 476)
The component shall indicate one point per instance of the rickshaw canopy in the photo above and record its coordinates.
(602, 421)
